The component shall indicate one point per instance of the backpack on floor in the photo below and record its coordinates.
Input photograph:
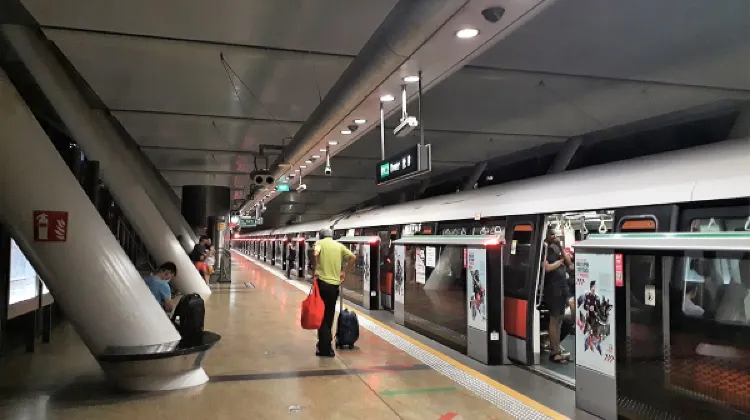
(347, 327)
(188, 318)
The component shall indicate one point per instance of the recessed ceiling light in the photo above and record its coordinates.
(302, 166)
(386, 98)
(292, 175)
(346, 132)
(308, 161)
(316, 156)
(411, 79)
(333, 142)
(296, 170)
(360, 121)
(323, 150)
(467, 33)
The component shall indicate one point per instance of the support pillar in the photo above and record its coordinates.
(88, 273)
(116, 171)
(565, 156)
(741, 127)
(474, 177)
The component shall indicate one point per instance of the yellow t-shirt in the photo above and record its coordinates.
(331, 256)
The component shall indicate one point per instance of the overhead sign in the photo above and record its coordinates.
(50, 226)
(409, 163)
(248, 222)
(282, 187)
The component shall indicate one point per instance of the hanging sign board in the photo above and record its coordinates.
(595, 300)
(50, 226)
(430, 260)
(409, 163)
(248, 222)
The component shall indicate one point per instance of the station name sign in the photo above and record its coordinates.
(248, 222)
(409, 163)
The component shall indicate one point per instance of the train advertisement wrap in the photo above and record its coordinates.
(595, 317)
(399, 254)
(476, 275)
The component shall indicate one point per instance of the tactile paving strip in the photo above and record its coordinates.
(480, 388)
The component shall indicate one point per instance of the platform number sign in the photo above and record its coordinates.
(50, 226)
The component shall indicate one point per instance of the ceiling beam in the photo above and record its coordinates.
(228, 118)
(243, 173)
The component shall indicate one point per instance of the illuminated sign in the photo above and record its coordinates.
(248, 222)
(282, 187)
(411, 162)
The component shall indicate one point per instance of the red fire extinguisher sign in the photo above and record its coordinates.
(50, 226)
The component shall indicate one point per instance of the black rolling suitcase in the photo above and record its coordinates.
(347, 327)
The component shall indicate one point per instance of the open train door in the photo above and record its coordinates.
(522, 248)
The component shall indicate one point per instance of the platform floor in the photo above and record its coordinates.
(264, 368)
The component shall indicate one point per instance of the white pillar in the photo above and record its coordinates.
(116, 170)
(89, 274)
(154, 188)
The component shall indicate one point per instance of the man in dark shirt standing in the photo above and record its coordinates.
(200, 250)
(556, 293)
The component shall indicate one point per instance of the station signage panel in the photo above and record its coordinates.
(282, 187)
(248, 222)
(406, 164)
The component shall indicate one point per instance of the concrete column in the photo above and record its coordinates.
(741, 127)
(565, 155)
(116, 171)
(474, 177)
(89, 274)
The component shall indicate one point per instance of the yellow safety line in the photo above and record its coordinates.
(478, 375)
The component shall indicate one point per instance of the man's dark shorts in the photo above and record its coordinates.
(556, 299)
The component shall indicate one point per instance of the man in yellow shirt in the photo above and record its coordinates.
(328, 259)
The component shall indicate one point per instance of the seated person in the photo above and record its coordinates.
(689, 307)
(158, 284)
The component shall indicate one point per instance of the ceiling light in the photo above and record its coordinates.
(467, 33)
(323, 150)
(316, 156)
(411, 79)
(360, 121)
(292, 175)
(308, 161)
(302, 166)
(346, 132)
(333, 142)
(386, 98)
(296, 170)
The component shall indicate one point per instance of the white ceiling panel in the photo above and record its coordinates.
(190, 132)
(164, 159)
(173, 76)
(332, 26)
(694, 42)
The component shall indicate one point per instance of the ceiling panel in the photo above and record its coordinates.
(332, 26)
(519, 102)
(676, 41)
(165, 130)
(154, 75)
(164, 160)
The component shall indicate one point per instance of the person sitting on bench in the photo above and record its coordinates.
(158, 284)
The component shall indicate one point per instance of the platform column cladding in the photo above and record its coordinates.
(92, 136)
(61, 233)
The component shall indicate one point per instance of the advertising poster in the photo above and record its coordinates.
(399, 276)
(476, 275)
(595, 313)
(366, 268)
(431, 258)
(419, 264)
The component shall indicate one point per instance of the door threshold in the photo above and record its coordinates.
(553, 376)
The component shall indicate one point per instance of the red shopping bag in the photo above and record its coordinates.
(313, 309)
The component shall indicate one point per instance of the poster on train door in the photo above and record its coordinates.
(366, 268)
(399, 273)
(419, 265)
(476, 276)
(595, 312)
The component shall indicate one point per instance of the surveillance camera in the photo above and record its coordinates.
(328, 170)
(493, 14)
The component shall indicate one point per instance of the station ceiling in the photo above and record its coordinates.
(201, 86)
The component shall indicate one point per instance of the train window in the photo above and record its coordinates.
(518, 261)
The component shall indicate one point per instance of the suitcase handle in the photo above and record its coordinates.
(341, 298)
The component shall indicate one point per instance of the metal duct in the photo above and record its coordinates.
(406, 28)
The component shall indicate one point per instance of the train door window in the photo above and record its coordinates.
(518, 261)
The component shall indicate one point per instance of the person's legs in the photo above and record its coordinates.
(329, 293)
(556, 303)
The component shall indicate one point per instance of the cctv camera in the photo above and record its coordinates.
(328, 170)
